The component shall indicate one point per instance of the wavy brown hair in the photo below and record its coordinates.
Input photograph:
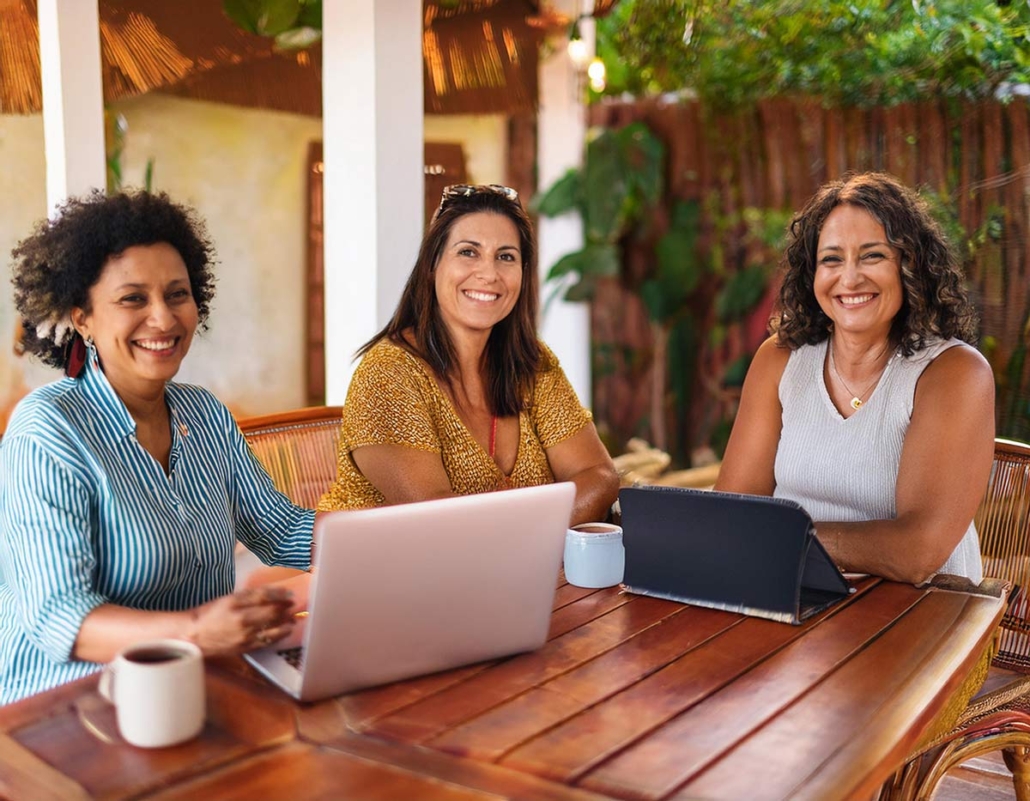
(936, 304)
(512, 355)
(57, 264)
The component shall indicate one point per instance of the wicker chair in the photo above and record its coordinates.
(298, 449)
(997, 718)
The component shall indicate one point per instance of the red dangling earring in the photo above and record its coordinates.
(75, 359)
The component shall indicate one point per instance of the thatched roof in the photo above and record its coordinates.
(145, 45)
(480, 56)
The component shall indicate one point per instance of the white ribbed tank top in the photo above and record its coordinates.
(846, 469)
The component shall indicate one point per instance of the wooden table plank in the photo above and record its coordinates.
(796, 743)
(857, 770)
(566, 752)
(490, 736)
(466, 772)
(362, 709)
(671, 755)
(25, 775)
(633, 697)
(302, 772)
(589, 607)
(83, 738)
(569, 593)
(436, 714)
(369, 769)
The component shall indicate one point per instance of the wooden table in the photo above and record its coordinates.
(631, 698)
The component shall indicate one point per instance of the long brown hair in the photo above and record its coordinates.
(935, 305)
(512, 355)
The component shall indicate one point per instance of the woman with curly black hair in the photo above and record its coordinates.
(867, 406)
(122, 493)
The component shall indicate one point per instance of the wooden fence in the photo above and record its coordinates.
(774, 156)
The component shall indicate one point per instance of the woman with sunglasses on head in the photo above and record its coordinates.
(123, 493)
(456, 395)
(867, 406)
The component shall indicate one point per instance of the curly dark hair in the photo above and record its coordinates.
(935, 305)
(56, 265)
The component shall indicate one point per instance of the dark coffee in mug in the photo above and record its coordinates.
(151, 656)
(588, 528)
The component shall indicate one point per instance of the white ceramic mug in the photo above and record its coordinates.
(157, 688)
(594, 556)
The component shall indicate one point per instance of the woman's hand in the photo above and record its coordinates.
(300, 589)
(248, 619)
(583, 460)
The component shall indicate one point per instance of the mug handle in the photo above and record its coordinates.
(106, 687)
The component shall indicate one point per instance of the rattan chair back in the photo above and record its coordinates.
(298, 449)
(1003, 523)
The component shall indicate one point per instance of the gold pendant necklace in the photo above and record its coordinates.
(856, 401)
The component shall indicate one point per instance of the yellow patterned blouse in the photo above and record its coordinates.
(394, 399)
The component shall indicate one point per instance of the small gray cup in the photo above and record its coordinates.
(594, 556)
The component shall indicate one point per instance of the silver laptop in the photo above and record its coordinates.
(400, 591)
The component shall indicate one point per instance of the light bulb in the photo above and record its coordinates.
(597, 74)
(578, 52)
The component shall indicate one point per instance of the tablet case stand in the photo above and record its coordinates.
(741, 553)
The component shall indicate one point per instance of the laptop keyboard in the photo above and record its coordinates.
(295, 656)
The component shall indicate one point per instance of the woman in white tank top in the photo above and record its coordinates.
(867, 406)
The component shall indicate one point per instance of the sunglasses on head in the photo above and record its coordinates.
(455, 191)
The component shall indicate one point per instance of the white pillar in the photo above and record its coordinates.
(372, 148)
(561, 130)
(73, 98)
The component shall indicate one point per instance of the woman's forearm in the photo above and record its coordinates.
(907, 549)
(246, 619)
(109, 628)
(597, 488)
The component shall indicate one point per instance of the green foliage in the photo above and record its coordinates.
(562, 196)
(849, 52)
(595, 260)
(695, 294)
(1012, 385)
(684, 353)
(295, 24)
(740, 293)
(116, 129)
(733, 375)
(679, 266)
(621, 179)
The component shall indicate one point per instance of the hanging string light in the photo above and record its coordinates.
(579, 53)
(597, 74)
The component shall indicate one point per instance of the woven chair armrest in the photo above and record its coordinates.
(995, 588)
(1016, 624)
(1016, 692)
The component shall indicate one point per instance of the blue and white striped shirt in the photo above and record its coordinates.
(89, 517)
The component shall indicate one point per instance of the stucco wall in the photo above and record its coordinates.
(244, 171)
(22, 202)
(484, 137)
